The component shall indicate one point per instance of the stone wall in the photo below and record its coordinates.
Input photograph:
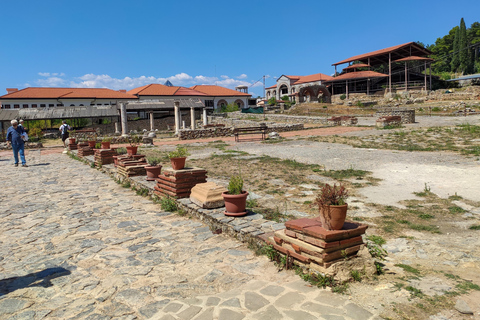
(407, 115)
(237, 118)
(228, 132)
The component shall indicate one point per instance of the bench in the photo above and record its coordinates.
(250, 130)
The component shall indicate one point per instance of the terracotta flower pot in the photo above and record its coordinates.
(235, 204)
(132, 150)
(106, 145)
(71, 140)
(153, 172)
(178, 163)
(333, 217)
(92, 143)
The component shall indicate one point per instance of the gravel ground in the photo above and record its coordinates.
(401, 172)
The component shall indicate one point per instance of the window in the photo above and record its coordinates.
(25, 106)
(209, 103)
(16, 106)
(34, 105)
(51, 105)
(72, 105)
(7, 106)
(42, 105)
(59, 104)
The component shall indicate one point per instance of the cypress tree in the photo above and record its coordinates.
(455, 63)
(464, 56)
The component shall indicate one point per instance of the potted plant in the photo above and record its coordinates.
(106, 143)
(154, 168)
(332, 206)
(120, 152)
(235, 198)
(134, 142)
(92, 141)
(178, 157)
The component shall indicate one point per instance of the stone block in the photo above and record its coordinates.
(207, 195)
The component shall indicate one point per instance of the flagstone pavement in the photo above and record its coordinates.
(76, 245)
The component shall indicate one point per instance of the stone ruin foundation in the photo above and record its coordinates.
(315, 248)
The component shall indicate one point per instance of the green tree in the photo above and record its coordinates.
(455, 63)
(464, 55)
(272, 101)
(442, 52)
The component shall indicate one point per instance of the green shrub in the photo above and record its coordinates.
(180, 152)
(343, 97)
(235, 186)
(168, 204)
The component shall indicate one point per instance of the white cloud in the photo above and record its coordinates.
(51, 82)
(91, 80)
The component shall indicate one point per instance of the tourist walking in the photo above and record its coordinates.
(64, 129)
(15, 139)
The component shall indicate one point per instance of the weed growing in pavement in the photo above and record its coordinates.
(474, 227)
(252, 203)
(374, 246)
(344, 174)
(408, 268)
(455, 197)
(168, 204)
(126, 184)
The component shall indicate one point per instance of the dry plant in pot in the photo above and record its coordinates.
(178, 157)
(235, 198)
(332, 206)
(153, 169)
(106, 143)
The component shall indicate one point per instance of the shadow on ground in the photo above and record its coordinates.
(37, 279)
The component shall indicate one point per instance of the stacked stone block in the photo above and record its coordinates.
(103, 156)
(179, 183)
(313, 246)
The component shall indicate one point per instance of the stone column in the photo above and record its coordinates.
(205, 120)
(192, 118)
(124, 119)
(117, 128)
(177, 116)
(151, 121)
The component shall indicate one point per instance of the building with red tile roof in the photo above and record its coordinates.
(220, 96)
(59, 97)
(300, 88)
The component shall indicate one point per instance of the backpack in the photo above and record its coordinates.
(65, 129)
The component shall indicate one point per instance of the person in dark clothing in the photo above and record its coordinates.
(15, 139)
(64, 129)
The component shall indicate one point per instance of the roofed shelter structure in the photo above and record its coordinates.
(401, 67)
(310, 88)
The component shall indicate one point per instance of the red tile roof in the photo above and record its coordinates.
(356, 66)
(413, 45)
(218, 91)
(272, 87)
(156, 89)
(313, 78)
(414, 58)
(358, 75)
(69, 93)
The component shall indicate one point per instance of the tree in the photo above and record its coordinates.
(464, 54)
(455, 63)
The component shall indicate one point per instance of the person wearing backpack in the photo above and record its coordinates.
(64, 128)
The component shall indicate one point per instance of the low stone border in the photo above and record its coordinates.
(252, 228)
(229, 132)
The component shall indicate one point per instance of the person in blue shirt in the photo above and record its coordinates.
(15, 139)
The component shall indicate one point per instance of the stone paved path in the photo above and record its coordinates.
(76, 245)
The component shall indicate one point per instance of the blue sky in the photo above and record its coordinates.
(125, 44)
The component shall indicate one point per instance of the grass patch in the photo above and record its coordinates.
(455, 210)
(344, 174)
(474, 227)
(168, 204)
(408, 268)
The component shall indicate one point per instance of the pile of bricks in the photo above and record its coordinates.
(313, 246)
(384, 121)
(179, 183)
(132, 166)
(84, 151)
(72, 146)
(103, 156)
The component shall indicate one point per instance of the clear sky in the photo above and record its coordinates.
(124, 44)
